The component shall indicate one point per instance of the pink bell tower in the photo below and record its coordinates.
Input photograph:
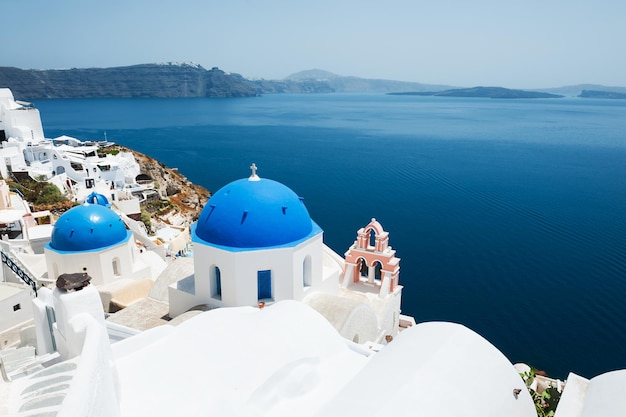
(371, 262)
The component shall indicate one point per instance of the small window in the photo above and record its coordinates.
(217, 283)
(116, 267)
(306, 272)
(17, 307)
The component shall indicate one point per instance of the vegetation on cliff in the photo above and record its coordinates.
(41, 194)
(177, 196)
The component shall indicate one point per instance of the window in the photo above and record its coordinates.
(378, 271)
(372, 236)
(17, 307)
(363, 269)
(116, 267)
(264, 284)
(306, 272)
(216, 283)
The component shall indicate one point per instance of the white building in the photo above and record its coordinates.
(255, 242)
(21, 133)
(93, 239)
(72, 165)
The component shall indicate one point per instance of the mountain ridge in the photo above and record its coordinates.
(169, 80)
(143, 80)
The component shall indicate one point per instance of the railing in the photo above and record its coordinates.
(13, 265)
(18, 192)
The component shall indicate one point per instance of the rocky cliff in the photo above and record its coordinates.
(178, 198)
(149, 80)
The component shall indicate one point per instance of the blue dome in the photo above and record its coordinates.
(95, 198)
(254, 214)
(88, 227)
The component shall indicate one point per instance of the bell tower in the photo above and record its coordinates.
(371, 261)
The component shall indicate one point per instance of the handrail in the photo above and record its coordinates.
(13, 265)
(18, 192)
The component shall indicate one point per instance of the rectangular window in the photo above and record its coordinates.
(116, 267)
(264, 282)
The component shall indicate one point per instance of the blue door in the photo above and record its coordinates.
(264, 284)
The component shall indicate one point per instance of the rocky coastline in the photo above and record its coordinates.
(179, 200)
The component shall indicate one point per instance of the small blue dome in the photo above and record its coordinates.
(87, 227)
(99, 199)
(254, 214)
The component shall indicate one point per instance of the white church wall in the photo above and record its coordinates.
(239, 272)
(68, 263)
(99, 264)
(307, 268)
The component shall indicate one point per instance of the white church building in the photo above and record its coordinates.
(255, 243)
(93, 239)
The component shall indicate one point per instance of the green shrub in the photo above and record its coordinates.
(38, 192)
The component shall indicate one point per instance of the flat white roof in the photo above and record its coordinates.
(9, 289)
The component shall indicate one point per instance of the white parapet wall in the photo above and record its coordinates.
(94, 390)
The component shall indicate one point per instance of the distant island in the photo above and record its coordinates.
(602, 94)
(488, 92)
(173, 80)
(169, 80)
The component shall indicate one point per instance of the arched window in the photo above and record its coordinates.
(307, 279)
(216, 282)
(378, 271)
(363, 269)
(372, 239)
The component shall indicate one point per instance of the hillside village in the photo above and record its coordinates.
(124, 302)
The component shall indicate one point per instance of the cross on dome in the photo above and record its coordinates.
(254, 176)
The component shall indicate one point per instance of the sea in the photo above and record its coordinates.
(509, 216)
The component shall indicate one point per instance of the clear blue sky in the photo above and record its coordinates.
(516, 44)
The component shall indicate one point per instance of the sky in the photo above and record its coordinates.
(514, 44)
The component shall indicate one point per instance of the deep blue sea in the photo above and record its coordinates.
(509, 215)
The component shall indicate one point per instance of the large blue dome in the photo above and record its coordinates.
(86, 228)
(254, 213)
